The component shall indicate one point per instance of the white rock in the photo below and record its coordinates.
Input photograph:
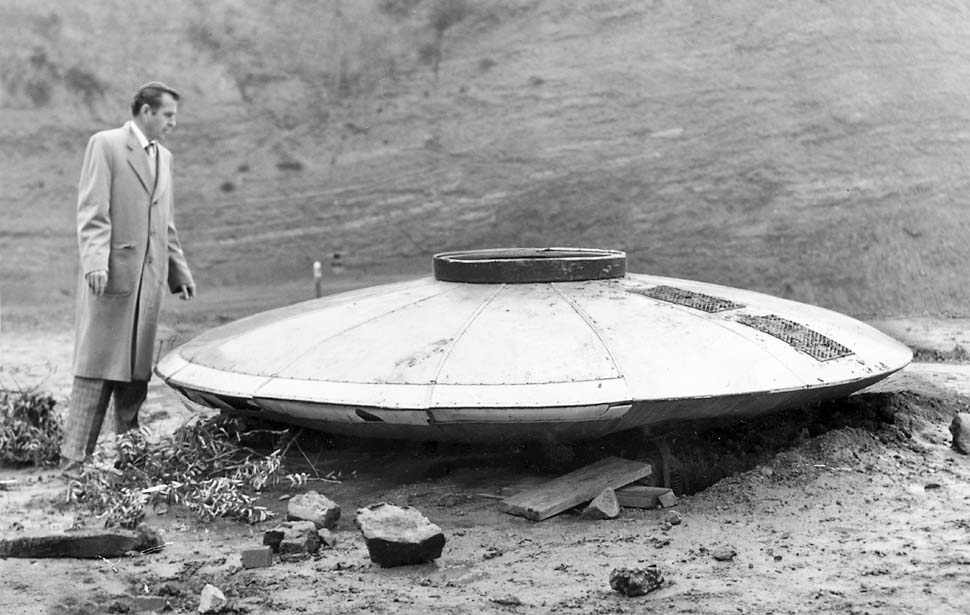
(315, 507)
(605, 506)
(211, 599)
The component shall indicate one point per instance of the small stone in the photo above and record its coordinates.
(635, 581)
(960, 428)
(604, 506)
(297, 556)
(327, 538)
(273, 537)
(509, 600)
(398, 536)
(659, 543)
(211, 599)
(724, 554)
(672, 517)
(292, 538)
(492, 553)
(667, 499)
(315, 507)
(257, 557)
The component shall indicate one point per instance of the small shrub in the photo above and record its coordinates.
(85, 83)
(30, 429)
(204, 466)
(227, 186)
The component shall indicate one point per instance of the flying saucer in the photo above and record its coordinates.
(526, 344)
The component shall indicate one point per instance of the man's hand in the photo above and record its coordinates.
(97, 281)
(186, 291)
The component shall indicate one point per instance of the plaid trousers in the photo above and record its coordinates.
(89, 403)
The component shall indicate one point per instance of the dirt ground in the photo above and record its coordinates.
(852, 507)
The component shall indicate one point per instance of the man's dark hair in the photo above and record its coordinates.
(151, 94)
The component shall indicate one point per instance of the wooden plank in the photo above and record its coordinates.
(640, 496)
(574, 488)
(90, 543)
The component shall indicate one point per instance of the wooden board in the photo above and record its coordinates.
(574, 488)
(640, 496)
(89, 543)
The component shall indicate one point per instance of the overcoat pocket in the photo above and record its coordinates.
(122, 269)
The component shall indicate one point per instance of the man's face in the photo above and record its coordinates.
(157, 123)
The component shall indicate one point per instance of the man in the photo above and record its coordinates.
(129, 252)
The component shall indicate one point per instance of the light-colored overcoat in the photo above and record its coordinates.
(125, 225)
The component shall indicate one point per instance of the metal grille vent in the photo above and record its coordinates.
(698, 301)
(797, 336)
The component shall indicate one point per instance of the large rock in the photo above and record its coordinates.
(604, 506)
(88, 543)
(960, 428)
(293, 539)
(313, 506)
(635, 581)
(399, 536)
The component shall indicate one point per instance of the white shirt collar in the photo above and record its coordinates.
(142, 140)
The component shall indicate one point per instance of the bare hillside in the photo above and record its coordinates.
(808, 149)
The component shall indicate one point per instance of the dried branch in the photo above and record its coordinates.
(202, 466)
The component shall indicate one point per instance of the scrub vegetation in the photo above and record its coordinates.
(30, 428)
(204, 466)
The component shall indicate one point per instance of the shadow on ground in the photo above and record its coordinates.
(688, 457)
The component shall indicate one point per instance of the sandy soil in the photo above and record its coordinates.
(853, 508)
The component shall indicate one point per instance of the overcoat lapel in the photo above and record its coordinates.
(138, 161)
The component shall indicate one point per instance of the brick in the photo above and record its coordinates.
(668, 499)
(257, 557)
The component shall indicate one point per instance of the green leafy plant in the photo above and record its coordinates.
(204, 466)
(30, 428)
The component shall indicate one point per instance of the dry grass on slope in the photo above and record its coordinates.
(808, 150)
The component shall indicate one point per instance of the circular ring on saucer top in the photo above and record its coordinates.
(529, 265)
(529, 343)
